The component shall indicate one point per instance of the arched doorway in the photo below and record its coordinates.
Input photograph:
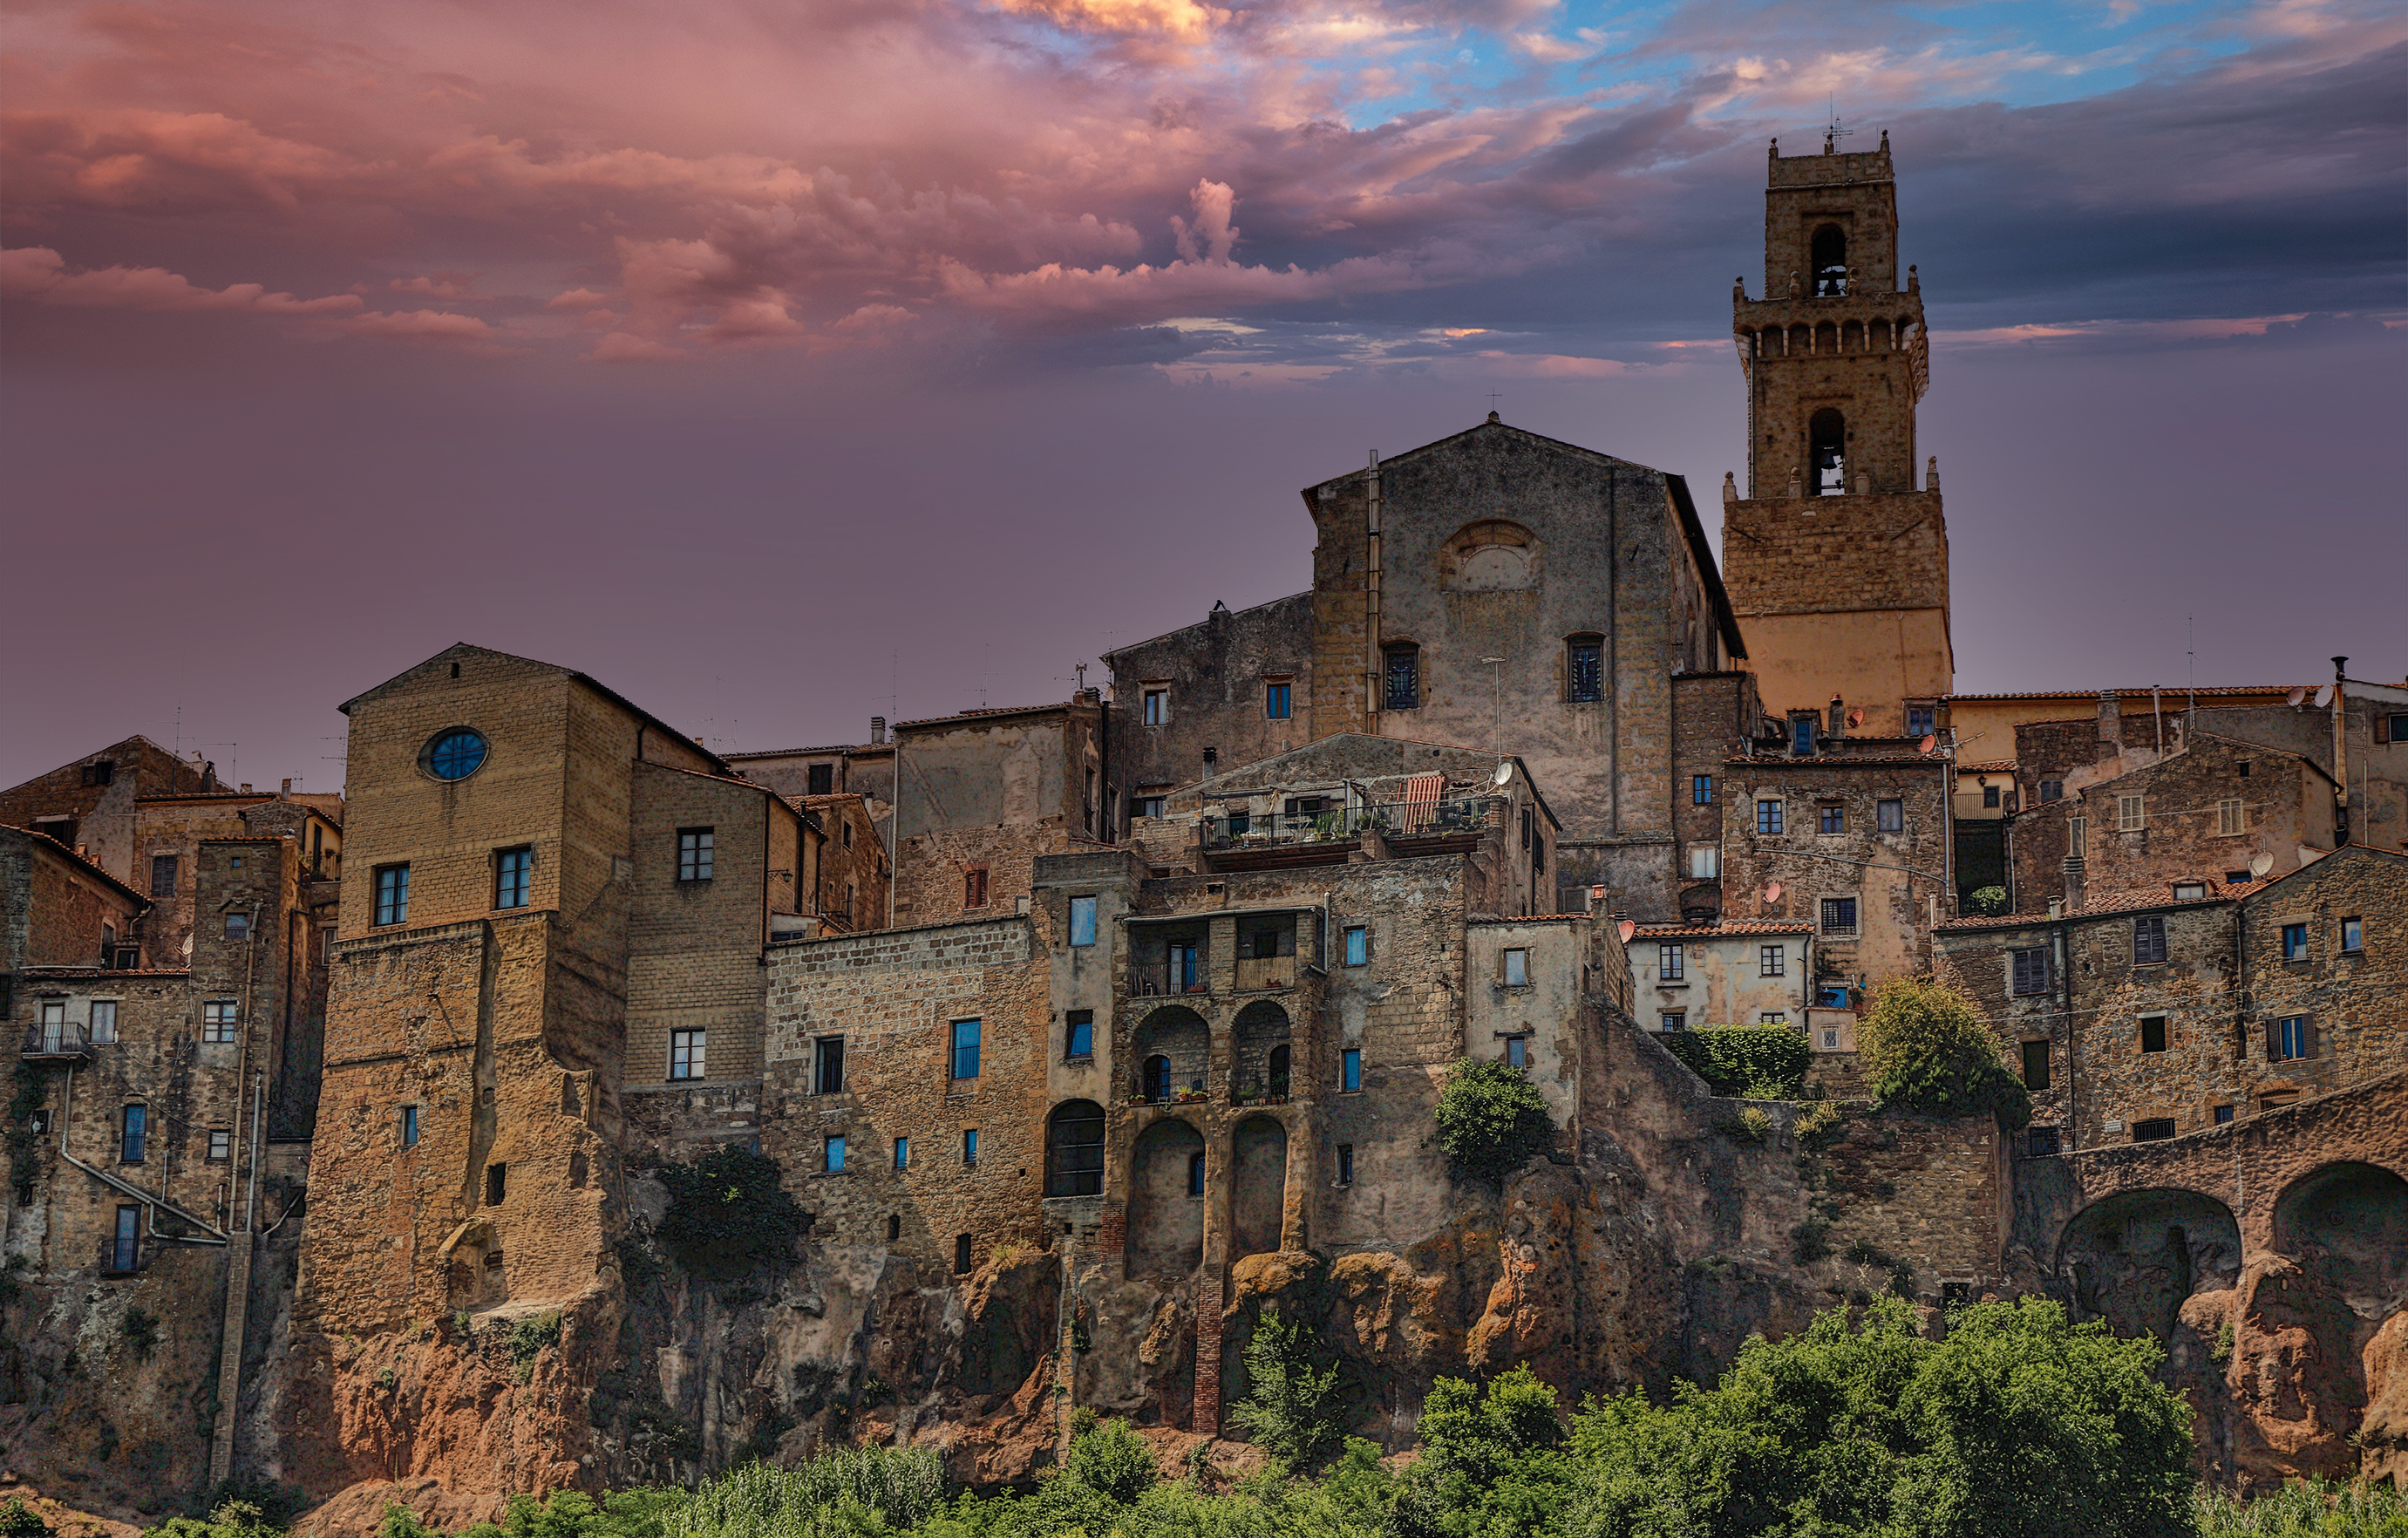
(2133, 1257)
(1166, 1214)
(1173, 1047)
(1074, 1149)
(1257, 1187)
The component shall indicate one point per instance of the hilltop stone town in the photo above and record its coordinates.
(1082, 1032)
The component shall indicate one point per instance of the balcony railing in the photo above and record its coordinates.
(58, 1041)
(1434, 817)
(1148, 980)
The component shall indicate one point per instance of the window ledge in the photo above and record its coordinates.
(1084, 1059)
(829, 1174)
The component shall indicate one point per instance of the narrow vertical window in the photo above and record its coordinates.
(1275, 700)
(828, 1078)
(902, 1152)
(104, 1021)
(1701, 790)
(1585, 669)
(497, 1183)
(1079, 1034)
(1517, 968)
(1196, 1175)
(965, 1044)
(1771, 960)
(163, 875)
(1517, 1052)
(974, 887)
(961, 1253)
(2353, 938)
(221, 1145)
(695, 849)
(511, 869)
(125, 1245)
(1889, 816)
(686, 1054)
(2295, 942)
(1082, 921)
(1358, 946)
(2148, 940)
(1671, 964)
(2228, 818)
(1351, 1069)
(392, 894)
(1345, 1164)
(831, 1152)
(969, 1147)
(134, 1134)
(1157, 707)
(1401, 670)
(409, 1127)
(2035, 1065)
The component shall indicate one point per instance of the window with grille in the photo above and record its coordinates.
(2129, 814)
(2030, 969)
(966, 1049)
(686, 1054)
(696, 847)
(1701, 790)
(1402, 671)
(1584, 668)
(1671, 964)
(2228, 818)
(1771, 961)
(512, 868)
(2148, 940)
(1768, 817)
(2153, 1128)
(218, 1020)
(1674, 1020)
(1839, 915)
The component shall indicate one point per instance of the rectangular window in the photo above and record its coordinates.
(2035, 1065)
(1833, 996)
(1517, 1052)
(966, 1049)
(827, 1076)
(902, 1152)
(1831, 819)
(1148, 806)
(2030, 971)
(1157, 707)
(1671, 964)
(408, 1126)
(1350, 1069)
(2153, 1033)
(237, 927)
(695, 849)
(1674, 1020)
(125, 1248)
(2153, 1128)
(1889, 816)
(1196, 1175)
(392, 894)
(1801, 735)
(2044, 1142)
(134, 1134)
(2295, 942)
(1989, 795)
(1275, 701)
(1839, 915)
(1584, 670)
(1771, 961)
(2222, 1114)
(104, 1021)
(2353, 938)
(2185, 890)
(1079, 1034)
(221, 1145)
(2394, 728)
(831, 1152)
(969, 1147)
(2292, 1038)
(163, 875)
(1345, 1164)
(2130, 813)
(847, 825)
(2228, 818)
(687, 1054)
(512, 869)
(1774, 1017)
(1082, 921)
(2051, 790)
(1831, 1041)
(1358, 946)
(974, 887)
(497, 1183)
(819, 780)
(2148, 940)
(1186, 972)
(1517, 968)
(216, 1020)
(1705, 862)
(2078, 830)
(1768, 817)
(1701, 790)
(1921, 720)
(1402, 673)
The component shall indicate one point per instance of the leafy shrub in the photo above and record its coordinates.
(1290, 1411)
(278, 1504)
(1864, 1252)
(1819, 1120)
(1492, 1463)
(19, 1520)
(1491, 1119)
(528, 1338)
(1925, 1048)
(232, 1520)
(1987, 902)
(1810, 1241)
(399, 1521)
(2315, 1509)
(728, 1212)
(1113, 1460)
(2221, 1351)
(1761, 1062)
(140, 1328)
(863, 1488)
(1750, 1126)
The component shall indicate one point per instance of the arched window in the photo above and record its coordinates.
(1827, 436)
(1401, 670)
(1830, 261)
(1153, 1079)
(1074, 1149)
(1584, 669)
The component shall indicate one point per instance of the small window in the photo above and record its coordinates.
(2222, 1114)
(1989, 795)
(1801, 735)
(1831, 1041)
(1358, 946)
(1275, 701)
(2293, 1039)
(2295, 942)
(1839, 915)
(408, 1119)
(2130, 813)
(2353, 940)
(966, 1049)
(831, 1152)
(2030, 971)
(104, 1021)
(2229, 818)
(221, 1145)
(1146, 806)
(2051, 790)
(392, 894)
(1771, 961)
(974, 887)
(1671, 964)
(1701, 790)
(100, 771)
(1157, 707)
(1517, 968)
(1767, 818)
(961, 1253)
(455, 755)
(1774, 1017)
(1833, 996)
(1517, 1052)
(1196, 1173)
(2153, 1033)
(1705, 862)
(237, 927)
(847, 827)
(511, 869)
(2149, 939)
(1831, 819)
(125, 1248)
(827, 1077)
(1345, 1164)
(2153, 1128)
(2394, 728)
(2237, 878)
(497, 1183)
(819, 780)
(1082, 921)
(218, 1020)
(1350, 1069)
(1921, 720)
(969, 1148)
(694, 851)
(1674, 1020)
(2186, 891)
(1585, 669)
(2242, 768)
(902, 1152)
(1401, 669)
(1078, 1035)
(894, 1228)
(2035, 1065)
(2076, 834)
(2043, 1141)
(686, 1054)
(1889, 816)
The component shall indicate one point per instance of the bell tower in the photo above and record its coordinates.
(1836, 560)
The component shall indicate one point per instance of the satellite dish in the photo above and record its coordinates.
(2259, 865)
(2297, 695)
(2324, 696)
(1628, 929)
(1504, 772)
(1928, 743)
(1772, 892)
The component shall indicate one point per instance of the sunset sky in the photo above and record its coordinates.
(782, 365)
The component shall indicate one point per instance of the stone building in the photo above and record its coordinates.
(1731, 972)
(849, 865)
(1233, 690)
(1836, 560)
(866, 769)
(982, 794)
(2148, 1016)
(89, 804)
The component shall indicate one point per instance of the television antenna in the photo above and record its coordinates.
(1833, 129)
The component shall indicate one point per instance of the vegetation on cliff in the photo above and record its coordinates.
(1491, 1120)
(1756, 1062)
(728, 1212)
(1925, 1048)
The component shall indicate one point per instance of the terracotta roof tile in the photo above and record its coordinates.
(1723, 930)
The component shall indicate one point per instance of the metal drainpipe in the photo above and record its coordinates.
(242, 1060)
(1373, 664)
(2072, 1056)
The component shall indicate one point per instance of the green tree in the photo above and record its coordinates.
(1491, 1119)
(1114, 1461)
(1762, 1062)
(728, 1212)
(1291, 1410)
(1925, 1047)
(1492, 1463)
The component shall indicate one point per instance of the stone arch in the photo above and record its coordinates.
(2132, 1258)
(2349, 1223)
(1262, 1036)
(1826, 451)
(1490, 556)
(1179, 1037)
(1074, 1149)
(1166, 1220)
(1829, 262)
(1257, 1187)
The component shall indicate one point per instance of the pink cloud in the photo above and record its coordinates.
(40, 274)
(441, 285)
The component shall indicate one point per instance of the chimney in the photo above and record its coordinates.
(246, 788)
(877, 728)
(2056, 907)
(2111, 724)
(2075, 871)
(287, 791)
(1839, 714)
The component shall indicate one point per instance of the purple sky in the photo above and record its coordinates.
(783, 366)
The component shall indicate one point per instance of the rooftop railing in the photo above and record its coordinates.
(1434, 816)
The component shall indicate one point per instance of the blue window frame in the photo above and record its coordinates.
(393, 894)
(1358, 946)
(902, 1152)
(1351, 1069)
(409, 1127)
(966, 1049)
(1768, 817)
(2295, 942)
(1701, 790)
(136, 1134)
(455, 755)
(969, 1145)
(512, 869)
(1082, 921)
(831, 1152)
(1079, 1034)
(2292, 1040)
(1801, 735)
(125, 1253)
(1196, 1175)
(1186, 974)
(1275, 701)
